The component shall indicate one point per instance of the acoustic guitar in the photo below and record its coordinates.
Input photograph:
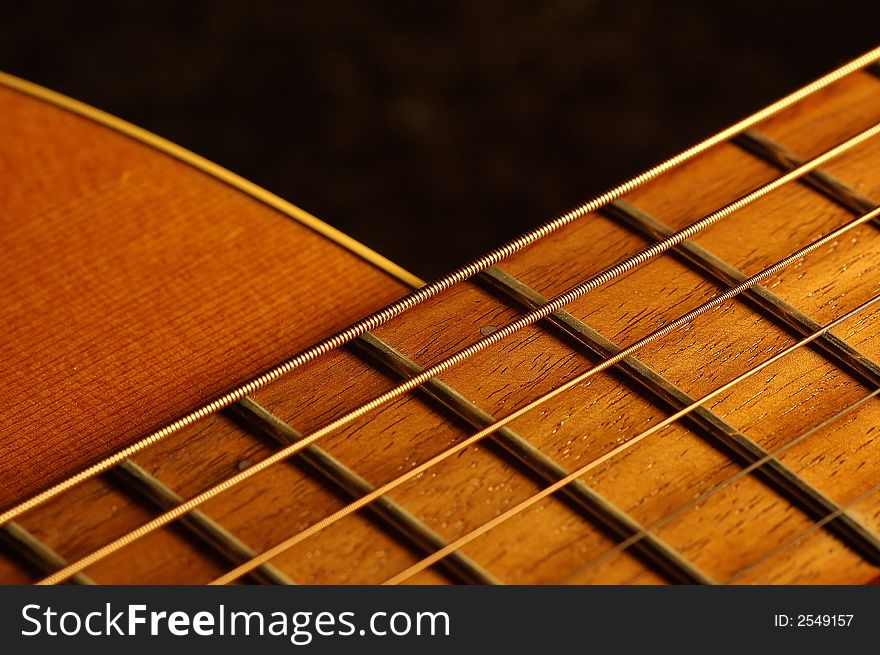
(676, 382)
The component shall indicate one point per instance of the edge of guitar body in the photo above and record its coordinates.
(206, 166)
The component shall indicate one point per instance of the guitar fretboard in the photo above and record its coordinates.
(769, 473)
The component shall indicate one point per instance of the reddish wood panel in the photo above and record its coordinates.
(137, 288)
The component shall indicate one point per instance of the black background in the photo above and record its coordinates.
(432, 131)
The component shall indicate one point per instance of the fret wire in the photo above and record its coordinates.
(611, 519)
(857, 364)
(258, 419)
(681, 509)
(139, 482)
(815, 526)
(712, 428)
(208, 532)
(544, 493)
(765, 148)
(591, 283)
(684, 319)
(24, 544)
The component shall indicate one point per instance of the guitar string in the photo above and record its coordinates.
(715, 302)
(586, 468)
(698, 500)
(625, 265)
(454, 545)
(804, 533)
(431, 372)
(428, 291)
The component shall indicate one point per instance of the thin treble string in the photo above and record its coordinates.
(626, 352)
(525, 320)
(797, 537)
(429, 291)
(574, 475)
(426, 375)
(681, 509)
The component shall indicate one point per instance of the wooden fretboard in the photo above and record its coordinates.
(145, 288)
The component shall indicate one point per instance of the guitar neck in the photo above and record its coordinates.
(555, 415)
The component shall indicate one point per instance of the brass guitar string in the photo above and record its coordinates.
(586, 468)
(701, 498)
(717, 301)
(625, 265)
(541, 312)
(410, 300)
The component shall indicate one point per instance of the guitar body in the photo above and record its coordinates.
(142, 283)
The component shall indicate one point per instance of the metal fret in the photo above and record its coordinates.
(784, 159)
(144, 486)
(27, 546)
(795, 321)
(206, 530)
(651, 549)
(256, 418)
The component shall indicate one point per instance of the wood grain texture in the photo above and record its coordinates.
(137, 288)
(167, 287)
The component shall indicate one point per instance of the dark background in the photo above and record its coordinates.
(432, 131)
